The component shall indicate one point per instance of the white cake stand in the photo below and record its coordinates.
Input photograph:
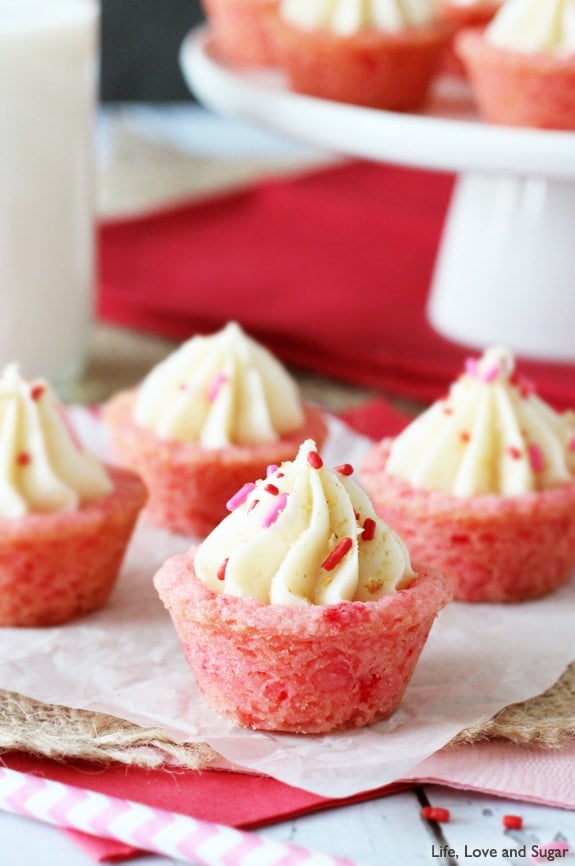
(505, 272)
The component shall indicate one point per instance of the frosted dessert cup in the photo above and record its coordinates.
(243, 30)
(56, 567)
(461, 15)
(189, 485)
(65, 518)
(481, 486)
(309, 669)
(213, 416)
(491, 548)
(371, 68)
(517, 88)
(301, 611)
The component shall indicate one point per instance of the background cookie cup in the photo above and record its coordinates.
(189, 484)
(376, 69)
(243, 30)
(492, 548)
(54, 567)
(517, 88)
(304, 669)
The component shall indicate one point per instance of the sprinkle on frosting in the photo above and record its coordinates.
(492, 435)
(344, 469)
(315, 460)
(240, 497)
(297, 538)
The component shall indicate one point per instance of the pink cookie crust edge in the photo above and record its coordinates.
(371, 68)
(518, 89)
(243, 30)
(305, 669)
(56, 567)
(189, 485)
(492, 548)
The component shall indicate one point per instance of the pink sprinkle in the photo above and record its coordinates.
(543, 853)
(471, 367)
(271, 469)
(273, 514)
(536, 457)
(214, 388)
(314, 459)
(490, 375)
(514, 452)
(240, 497)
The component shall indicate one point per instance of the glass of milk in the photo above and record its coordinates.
(48, 97)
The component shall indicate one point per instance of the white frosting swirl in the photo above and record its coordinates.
(44, 468)
(303, 535)
(219, 390)
(346, 17)
(491, 434)
(546, 26)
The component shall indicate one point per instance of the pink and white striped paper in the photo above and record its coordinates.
(178, 836)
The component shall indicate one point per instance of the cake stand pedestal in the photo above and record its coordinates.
(505, 270)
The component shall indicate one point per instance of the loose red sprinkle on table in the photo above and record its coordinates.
(36, 391)
(314, 459)
(435, 813)
(337, 554)
(369, 525)
(513, 822)
(344, 469)
(23, 459)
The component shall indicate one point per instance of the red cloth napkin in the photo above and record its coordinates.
(330, 270)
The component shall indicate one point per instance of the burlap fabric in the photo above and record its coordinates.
(57, 732)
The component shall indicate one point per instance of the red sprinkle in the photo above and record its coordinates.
(23, 459)
(435, 813)
(514, 452)
(337, 554)
(536, 457)
(253, 505)
(344, 469)
(464, 436)
(314, 459)
(369, 525)
(271, 488)
(36, 391)
(221, 573)
(513, 822)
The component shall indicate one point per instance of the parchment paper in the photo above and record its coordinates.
(126, 660)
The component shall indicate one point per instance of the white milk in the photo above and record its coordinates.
(48, 86)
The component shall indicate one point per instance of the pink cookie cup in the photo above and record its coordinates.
(371, 68)
(55, 567)
(243, 30)
(518, 89)
(470, 15)
(491, 548)
(189, 485)
(306, 669)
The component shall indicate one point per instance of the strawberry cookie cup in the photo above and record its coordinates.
(307, 669)
(243, 30)
(371, 68)
(515, 88)
(492, 548)
(55, 567)
(462, 16)
(189, 484)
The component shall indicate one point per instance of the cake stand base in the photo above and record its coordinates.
(505, 271)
